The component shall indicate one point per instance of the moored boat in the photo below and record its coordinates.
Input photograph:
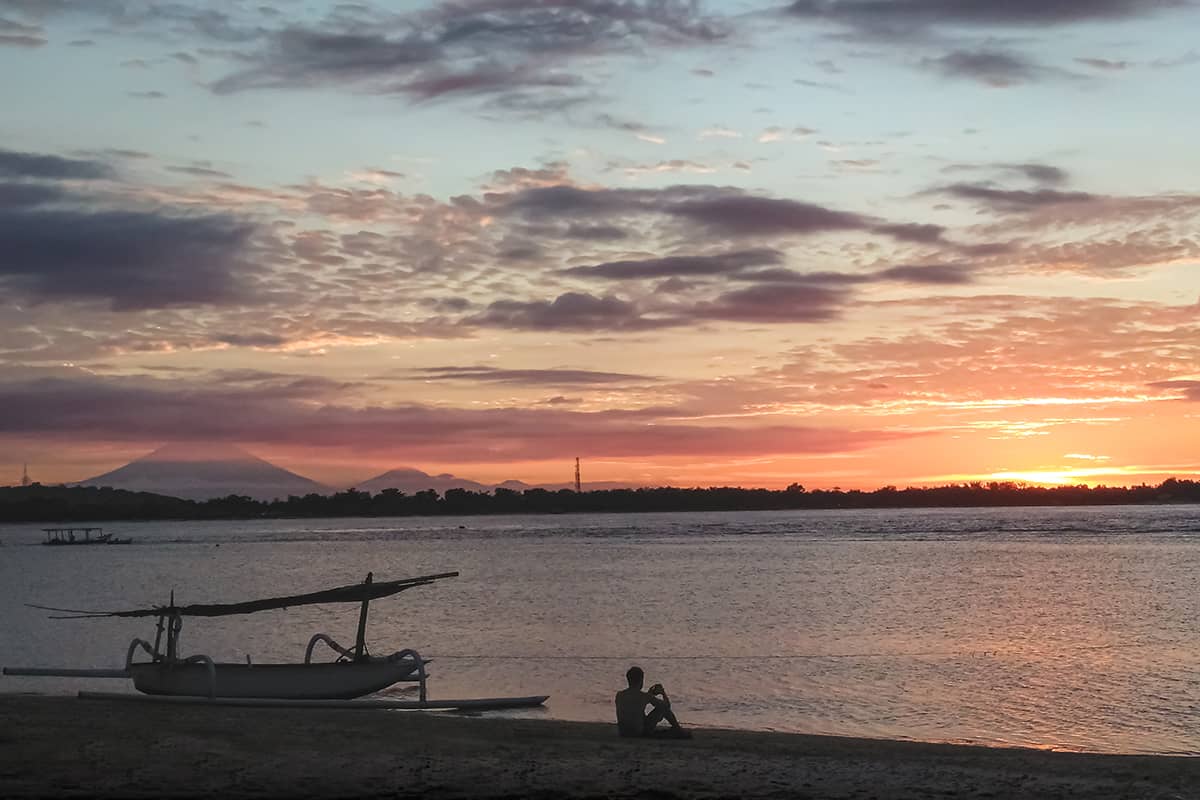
(58, 537)
(337, 681)
(355, 673)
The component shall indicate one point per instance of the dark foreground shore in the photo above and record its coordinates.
(60, 746)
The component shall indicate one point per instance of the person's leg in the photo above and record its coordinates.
(652, 719)
(657, 715)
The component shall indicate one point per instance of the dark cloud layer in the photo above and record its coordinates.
(744, 265)
(675, 266)
(778, 296)
(1040, 173)
(775, 304)
(529, 377)
(288, 412)
(715, 210)
(735, 214)
(995, 68)
(910, 16)
(15, 164)
(1015, 199)
(572, 311)
(61, 242)
(488, 47)
(1190, 390)
(15, 195)
(131, 259)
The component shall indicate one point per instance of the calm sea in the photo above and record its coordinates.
(1060, 628)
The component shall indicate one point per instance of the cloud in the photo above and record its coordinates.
(495, 47)
(719, 211)
(778, 134)
(1187, 59)
(927, 274)
(915, 274)
(262, 340)
(675, 266)
(995, 353)
(596, 233)
(1047, 174)
(1040, 173)
(572, 311)
(1190, 390)
(493, 79)
(995, 68)
(775, 304)
(173, 18)
(719, 132)
(1008, 200)
(910, 18)
(735, 214)
(286, 411)
(131, 259)
(1059, 209)
(528, 377)
(1104, 64)
(61, 244)
(20, 40)
(18, 34)
(15, 164)
(741, 265)
(1113, 256)
(759, 215)
(19, 195)
(919, 233)
(200, 171)
(660, 167)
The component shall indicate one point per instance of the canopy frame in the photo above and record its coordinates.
(353, 593)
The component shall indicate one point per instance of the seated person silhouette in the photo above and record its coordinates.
(632, 719)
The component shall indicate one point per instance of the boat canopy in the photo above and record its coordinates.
(354, 593)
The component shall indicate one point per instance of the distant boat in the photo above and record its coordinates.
(56, 537)
(355, 673)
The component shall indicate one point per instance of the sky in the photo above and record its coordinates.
(846, 243)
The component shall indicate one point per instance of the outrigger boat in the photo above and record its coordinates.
(56, 537)
(354, 674)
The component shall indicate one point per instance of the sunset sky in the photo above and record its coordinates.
(841, 242)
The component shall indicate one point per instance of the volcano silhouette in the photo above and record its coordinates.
(202, 471)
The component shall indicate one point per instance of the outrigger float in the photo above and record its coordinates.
(170, 677)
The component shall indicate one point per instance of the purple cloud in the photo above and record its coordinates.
(673, 266)
(14, 164)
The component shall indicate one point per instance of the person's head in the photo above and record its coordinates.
(636, 677)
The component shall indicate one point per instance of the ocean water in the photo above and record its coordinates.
(1072, 628)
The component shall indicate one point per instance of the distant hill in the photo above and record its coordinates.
(410, 481)
(201, 471)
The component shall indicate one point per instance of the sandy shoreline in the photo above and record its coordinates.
(62, 746)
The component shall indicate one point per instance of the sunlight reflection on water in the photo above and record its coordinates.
(1049, 628)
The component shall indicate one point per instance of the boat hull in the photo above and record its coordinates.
(337, 681)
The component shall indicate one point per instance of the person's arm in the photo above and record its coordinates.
(658, 696)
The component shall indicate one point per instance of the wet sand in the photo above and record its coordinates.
(62, 746)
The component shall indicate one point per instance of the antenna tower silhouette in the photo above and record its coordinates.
(578, 485)
(25, 475)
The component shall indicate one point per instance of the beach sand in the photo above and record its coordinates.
(63, 746)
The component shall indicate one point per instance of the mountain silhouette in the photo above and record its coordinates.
(201, 471)
(410, 481)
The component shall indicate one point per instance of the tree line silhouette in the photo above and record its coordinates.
(37, 503)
